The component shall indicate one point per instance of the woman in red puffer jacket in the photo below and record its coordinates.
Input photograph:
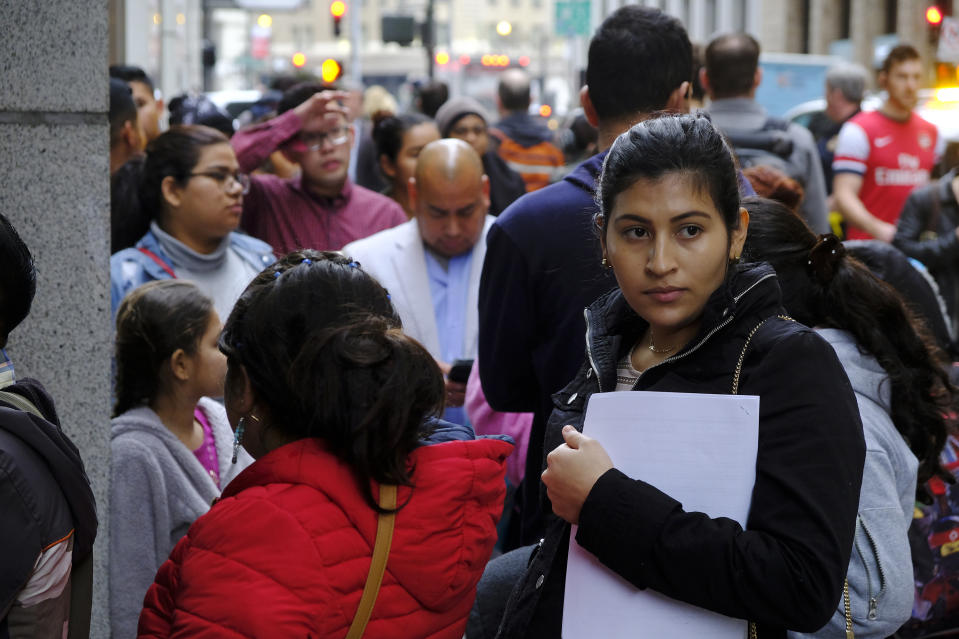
(334, 402)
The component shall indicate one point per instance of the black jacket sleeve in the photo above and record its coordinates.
(787, 568)
(941, 252)
(505, 184)
(506, 327)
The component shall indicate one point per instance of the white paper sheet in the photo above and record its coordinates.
(700, 450)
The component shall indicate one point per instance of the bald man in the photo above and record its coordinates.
(431, 265)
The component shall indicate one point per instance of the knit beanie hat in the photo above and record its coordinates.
(455, 109)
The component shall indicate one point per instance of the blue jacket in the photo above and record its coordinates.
(542, 268)
(131, 267)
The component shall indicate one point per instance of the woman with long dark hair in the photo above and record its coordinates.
(689, 317)
(185, 210)
(399, 140)
(354, 515)
(903, 393)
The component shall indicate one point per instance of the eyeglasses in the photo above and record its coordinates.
(315, 141)
(226, 180)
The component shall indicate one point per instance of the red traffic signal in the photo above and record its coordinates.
(934, 16)
(337, 10)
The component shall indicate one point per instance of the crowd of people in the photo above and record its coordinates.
(349, 407)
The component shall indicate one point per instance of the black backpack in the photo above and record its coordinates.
(766, 146)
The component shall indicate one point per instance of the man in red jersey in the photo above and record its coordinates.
(881, 156)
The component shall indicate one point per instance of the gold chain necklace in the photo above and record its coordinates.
(658, 351)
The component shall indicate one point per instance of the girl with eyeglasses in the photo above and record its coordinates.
(187, 205)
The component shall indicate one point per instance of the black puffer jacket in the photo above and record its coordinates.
(787, 569)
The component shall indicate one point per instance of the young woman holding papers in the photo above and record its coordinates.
(688, 317)
(903, 395)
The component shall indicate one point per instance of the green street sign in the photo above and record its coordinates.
(572, 18)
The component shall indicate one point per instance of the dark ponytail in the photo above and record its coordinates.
(154, 321)
(324, 351)
(823, 286)
(389, 130)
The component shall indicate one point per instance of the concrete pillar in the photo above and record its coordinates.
(865, 24)
(55, 189)
(779, 29)
(911, 27)
(824, 17)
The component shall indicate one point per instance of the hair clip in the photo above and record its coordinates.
(825, 257)
(277, 274)
(354, 264)
(306, 260)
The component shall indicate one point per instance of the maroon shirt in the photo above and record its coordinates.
(286, 216)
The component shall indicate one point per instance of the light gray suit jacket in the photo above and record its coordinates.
(397, 258)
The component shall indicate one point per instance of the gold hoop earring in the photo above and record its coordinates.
(606, 263)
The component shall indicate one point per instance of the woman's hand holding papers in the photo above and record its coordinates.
(571, 470)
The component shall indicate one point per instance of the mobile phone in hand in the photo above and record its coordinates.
(460, 370)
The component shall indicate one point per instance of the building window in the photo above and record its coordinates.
(891, 7)
(845, 19)
(804, 21)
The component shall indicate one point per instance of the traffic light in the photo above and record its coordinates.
(337, 10)
(330, 71)
(299, 60)
(934, 16)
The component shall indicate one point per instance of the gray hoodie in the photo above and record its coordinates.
(880, 573)
(158, 488)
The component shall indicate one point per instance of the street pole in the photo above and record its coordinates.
(428, 40)
(356, 69)
(206, 37)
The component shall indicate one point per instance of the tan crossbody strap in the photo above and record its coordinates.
(735, 391)
(381, 553)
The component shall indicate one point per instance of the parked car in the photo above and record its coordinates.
(939, 106)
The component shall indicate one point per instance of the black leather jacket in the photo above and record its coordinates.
(926, 231)
(786, 570)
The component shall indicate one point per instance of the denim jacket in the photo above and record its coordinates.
(131, 267)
